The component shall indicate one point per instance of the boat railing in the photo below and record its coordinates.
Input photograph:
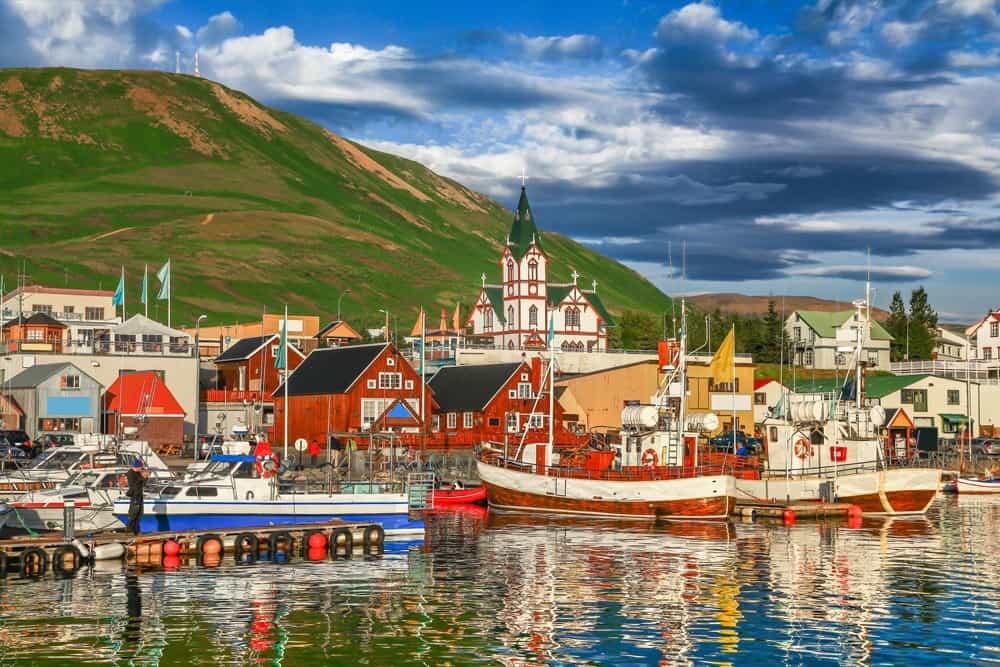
(857, 467)
(625, 474)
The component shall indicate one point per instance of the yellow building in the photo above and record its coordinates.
(705, 396)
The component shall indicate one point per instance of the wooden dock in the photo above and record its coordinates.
(34, 556)
(800, 510)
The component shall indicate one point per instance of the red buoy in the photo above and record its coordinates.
(854, 510)
(789, 517)
(317, 541)
(316, 553)
(171, 548)
(854, 521)
(171, 562)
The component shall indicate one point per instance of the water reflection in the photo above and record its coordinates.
(488, 588)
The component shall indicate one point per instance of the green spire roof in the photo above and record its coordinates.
(523, 232)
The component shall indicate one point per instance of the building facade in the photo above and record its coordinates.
(826, 340)
(516, 313)
(56, 397)
(595, 400)
(141, 406)
(88, 315)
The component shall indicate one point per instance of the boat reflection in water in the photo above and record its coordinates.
(517, 589)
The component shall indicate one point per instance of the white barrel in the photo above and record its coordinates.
(819, 410)
(702, 421)
(640, 416)
(109, 551)
(877, 415)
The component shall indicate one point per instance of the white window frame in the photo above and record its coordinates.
(390, 361)
(371, 383)
(524, 390)
(466, 420)
(994, 329)
(512, 422)
(435, 422)
(372, 409)
(536, 420)
(512, 393)
(408, 384)
(391, 381)
(525, 377)
(452, 420)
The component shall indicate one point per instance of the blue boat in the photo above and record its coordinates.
(237, 491)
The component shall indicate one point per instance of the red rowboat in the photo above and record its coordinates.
(467, 496)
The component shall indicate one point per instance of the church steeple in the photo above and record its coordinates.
(523, 233)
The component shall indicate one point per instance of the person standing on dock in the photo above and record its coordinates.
(136, 488)
(313, 451)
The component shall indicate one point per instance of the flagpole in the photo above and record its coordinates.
(423, 376)
(734, 389)
(170, 287)
(123, 295)
(284, 356)
(145, 287)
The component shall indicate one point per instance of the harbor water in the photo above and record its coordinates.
(487, 588)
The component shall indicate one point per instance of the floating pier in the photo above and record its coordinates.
(791, 511)
(37, 555)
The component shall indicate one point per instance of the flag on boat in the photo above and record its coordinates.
(145, 284)
(281, 361)
(119, 298)
(163, 275)
(723, 365)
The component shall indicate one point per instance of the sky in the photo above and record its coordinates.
(779, 143)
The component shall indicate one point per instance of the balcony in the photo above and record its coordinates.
(231, 395)
(100, 347)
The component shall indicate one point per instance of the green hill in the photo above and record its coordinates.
(256, 207)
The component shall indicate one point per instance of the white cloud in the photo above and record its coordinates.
(701, 21)
(901, 34)
(969, 8)
(218, 28)
(557, 47)
(880, 272)
(974, 59)
(183, 31)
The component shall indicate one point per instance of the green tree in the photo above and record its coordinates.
(923, 325)
(896, 325)
(770, 351)
(635, 330)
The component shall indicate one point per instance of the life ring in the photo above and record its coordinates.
(59, 565)
(334, 543)
(803, 449)
(267, 465)
(649, 458)
(34, 562)
(3, 564)
(374, 537)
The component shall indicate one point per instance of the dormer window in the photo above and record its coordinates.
(533, 270)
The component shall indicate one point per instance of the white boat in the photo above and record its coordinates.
(654, 474)
(971, 485)
(55, 466)
(237, 491)
(93, 493)
(829, 447)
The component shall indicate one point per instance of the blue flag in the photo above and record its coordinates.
(163, 275)
(281, 361)
(119, 298)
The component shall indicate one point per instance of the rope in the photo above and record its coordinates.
(21, 521)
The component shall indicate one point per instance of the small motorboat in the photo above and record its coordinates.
(459, 495)
(971, 485)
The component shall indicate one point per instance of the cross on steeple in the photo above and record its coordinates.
(524, 176)
(594, 285)
(483, 278)
(575, 276)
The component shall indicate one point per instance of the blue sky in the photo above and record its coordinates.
(778, 140)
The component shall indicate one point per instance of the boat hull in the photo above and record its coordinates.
(967, 486)
(180, 515)
(710, 497)
(49, 516)
(894, 491)
(471, 496)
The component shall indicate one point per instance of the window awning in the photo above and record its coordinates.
(955, 419)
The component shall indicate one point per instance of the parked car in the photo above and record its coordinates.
(11, 456)
(986, 446)
(56, 439)
(20, 439)
(724, 441)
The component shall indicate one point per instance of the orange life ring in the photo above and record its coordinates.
(267, 465)
(803, 449)
(649, 458)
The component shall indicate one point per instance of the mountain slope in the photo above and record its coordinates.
(743, 304)
(256, 207)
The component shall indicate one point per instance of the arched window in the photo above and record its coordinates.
(533, 316)
(510, 269)
(573, 318)
(488, 319)
(533, 270)
(510, 317)
(510, 345)
(566, 346)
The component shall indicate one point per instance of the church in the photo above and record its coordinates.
(516, 312)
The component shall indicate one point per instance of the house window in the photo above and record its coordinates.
(807, 358)
(512, 422)
(35, 334)
(525, 377)
(41, 308)
(467, 420)
(510, 270)
(93, 313)
(435, 422)
(274, 351)
(536, 420)
(573, 318)
(510, 317)
(524, 390)
(533, 270)
(915, 397)
(872, 358)
(994, 329)
(512, 393)
(954, 397)
(390, 361)
(409, 384)
(371, 383)
(840, 359)
(760, 398)
(987, 352)
(488, 319)
(452, 420)
(69, 382)
(796, 333)
(390, 380)
(68, 310)
(372, 409)
(533, 316)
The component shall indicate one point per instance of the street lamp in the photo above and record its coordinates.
(197, 382)
(386, 330)
(339, 299)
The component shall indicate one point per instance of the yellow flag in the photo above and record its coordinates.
(419, 325)
(724, 362)
(456, 319)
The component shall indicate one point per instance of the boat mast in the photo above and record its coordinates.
(682, 365)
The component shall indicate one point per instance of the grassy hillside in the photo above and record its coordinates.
(256, 207)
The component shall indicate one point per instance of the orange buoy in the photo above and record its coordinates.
(211, 560)
(317, 553)
(317, 541)
(854, 510)
(171, 548)
(211, 547)
(854, 521)
(171, 562)
(789, 517)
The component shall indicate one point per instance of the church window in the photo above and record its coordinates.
(533, 270)
(510, 270)
(573, 318)
(533, 289)
(488, 319)
(533, 316)
(510, 317)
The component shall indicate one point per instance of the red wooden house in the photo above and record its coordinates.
(491, 402)
(142, 400)
(37, 333)
(353, 389)
(247, 371)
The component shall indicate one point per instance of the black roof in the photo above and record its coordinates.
(462, 388)
(36, 318)
(330, 370)
(243, 348)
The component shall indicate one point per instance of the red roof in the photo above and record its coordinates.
(760, 382)
(38, 289)
(129, 392)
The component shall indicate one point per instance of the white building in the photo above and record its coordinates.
(985, 338)
(767, 395)
(89, 315)
(515, 314)
(949, 346)
(826, 340)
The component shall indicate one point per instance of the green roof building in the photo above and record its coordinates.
(826, 340)
(524, 310)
